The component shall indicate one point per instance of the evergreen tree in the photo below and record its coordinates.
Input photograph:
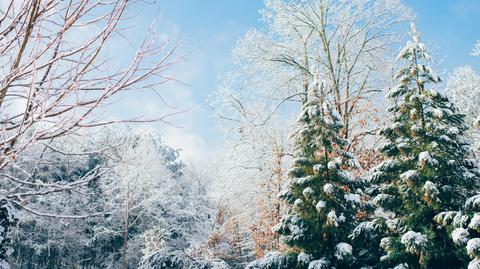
(320, 191)
(425, 171)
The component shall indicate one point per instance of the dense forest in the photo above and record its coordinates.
(342, 147)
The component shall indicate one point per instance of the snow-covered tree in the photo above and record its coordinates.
(57, 78)
(49, 241)
(348, 41)
(476, 52)
(152, 190)
(463, 88)
(145, 187)
(426, 170)
(320, 194)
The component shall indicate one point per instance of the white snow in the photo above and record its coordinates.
(352, 197)
(320, 206)
(437, 113)
(342, 218)
(401, 266)
(425, 158)
(386, 243)
(304, 180)
(298, 203)
(473, 247)
(392, 224)
(474, 264)
(475, 223)
(476, 123)
(459, 220)
(460, 236)
(314, 111)
(308, 192)
(366, 227)
(416, 128)
(5, 265)
(380, 198)
(430, 189)
(453, 131)
(445, 138)
(318, 168)
(303, 258)
(473, 203)
(343, 251)
(269, 260)
(332, 165)
(319, 264)
(414, 242)
(409, 175)
(332, 219)
(297, 231)
(402, 145)
(328, 188)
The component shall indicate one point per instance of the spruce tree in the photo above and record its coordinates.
(425, 171)
(320, 192)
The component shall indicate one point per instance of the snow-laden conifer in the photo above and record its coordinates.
(426, 170)
(321, 192)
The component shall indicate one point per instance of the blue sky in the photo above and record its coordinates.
(210, 29)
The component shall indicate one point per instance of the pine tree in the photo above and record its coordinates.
(425, 171)
(320, 191)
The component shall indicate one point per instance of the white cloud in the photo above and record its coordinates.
(192, 145)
